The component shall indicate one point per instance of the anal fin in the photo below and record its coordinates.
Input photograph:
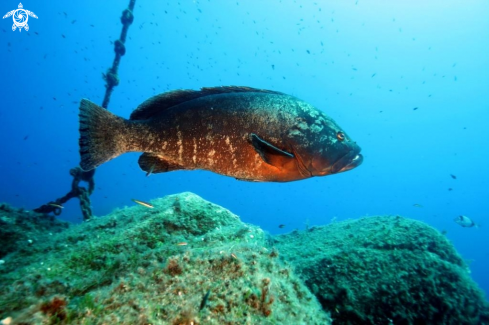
(154, 164)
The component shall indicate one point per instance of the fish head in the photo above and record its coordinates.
(325, 148)
(336, 157)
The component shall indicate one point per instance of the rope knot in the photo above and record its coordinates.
(127, 17)
(111, 78)
(119, 47)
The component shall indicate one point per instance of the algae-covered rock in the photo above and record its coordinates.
(385, 270)
(185, 261)
(20, 228)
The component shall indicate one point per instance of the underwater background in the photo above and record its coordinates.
(407, 80)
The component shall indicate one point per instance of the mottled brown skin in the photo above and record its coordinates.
(214, 132)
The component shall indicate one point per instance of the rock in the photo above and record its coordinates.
(20, 228)
(385, 270)
(186, 261)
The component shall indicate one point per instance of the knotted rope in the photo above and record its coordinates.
(76, 191)
(111, 77)
(111, 80)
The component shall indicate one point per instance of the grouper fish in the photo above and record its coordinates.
(246, 133)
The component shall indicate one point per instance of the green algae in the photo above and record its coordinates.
(188, 261)
(19, 228)
(154, 266)
(382, 270)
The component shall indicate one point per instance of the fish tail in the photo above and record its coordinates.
(101, 135)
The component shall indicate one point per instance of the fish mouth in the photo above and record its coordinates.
(349, 161)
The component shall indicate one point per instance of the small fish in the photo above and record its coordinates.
(234, 256)
(416, 205)
(465, 222)
(415, 108)
(182, 244)
(56, 205)
(453, 176)
(250, 134)
(144, 204)
(281, 226)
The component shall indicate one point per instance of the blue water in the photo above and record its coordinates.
(367, 64)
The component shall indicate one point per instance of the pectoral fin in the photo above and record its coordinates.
(153, 164)
(269, 153)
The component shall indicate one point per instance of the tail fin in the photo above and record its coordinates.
(100, 135)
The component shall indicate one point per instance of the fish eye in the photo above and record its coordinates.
(340, 135)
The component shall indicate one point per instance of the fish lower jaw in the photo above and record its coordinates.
(355, 162)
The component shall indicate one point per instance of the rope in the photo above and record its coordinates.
(76, 191)
(111, 80)
(111, 77)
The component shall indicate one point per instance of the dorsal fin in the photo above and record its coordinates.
(159, 103)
